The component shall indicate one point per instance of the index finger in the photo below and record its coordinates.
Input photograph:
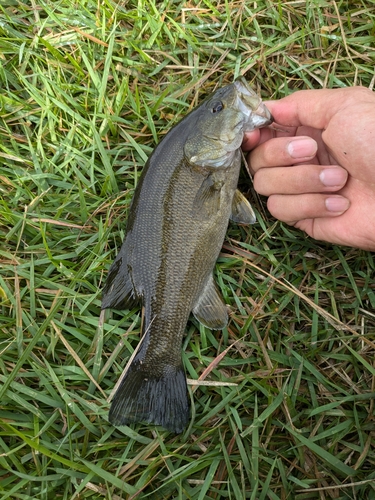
(256, 137)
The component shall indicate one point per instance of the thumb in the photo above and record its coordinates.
(315, 108)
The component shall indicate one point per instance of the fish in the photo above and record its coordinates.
(178, 218)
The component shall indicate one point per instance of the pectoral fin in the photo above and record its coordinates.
(207, 199)
(242, 212)
(210, 310)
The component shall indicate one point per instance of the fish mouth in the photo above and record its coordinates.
(250, 104)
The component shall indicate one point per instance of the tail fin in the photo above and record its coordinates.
(143, 397)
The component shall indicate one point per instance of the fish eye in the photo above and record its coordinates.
(217, 106)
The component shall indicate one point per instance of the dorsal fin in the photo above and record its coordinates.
(118, 291)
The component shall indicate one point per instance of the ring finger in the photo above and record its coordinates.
(293, 208)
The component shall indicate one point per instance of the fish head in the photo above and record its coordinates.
(221, 121)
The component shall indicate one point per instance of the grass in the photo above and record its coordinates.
(88, 89)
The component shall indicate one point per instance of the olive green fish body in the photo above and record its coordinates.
(176, 227)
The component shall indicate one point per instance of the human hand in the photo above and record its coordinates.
(319, 171)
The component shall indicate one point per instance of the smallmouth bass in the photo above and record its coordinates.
(185, 197)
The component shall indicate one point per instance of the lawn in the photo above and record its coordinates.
(285, 404)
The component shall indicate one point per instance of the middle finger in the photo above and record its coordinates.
(300, 179)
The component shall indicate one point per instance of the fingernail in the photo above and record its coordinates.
(332, 177)
(337, 204)
(302, 148)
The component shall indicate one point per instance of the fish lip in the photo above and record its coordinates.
(243, 87)
(249, 102)
(264, 112)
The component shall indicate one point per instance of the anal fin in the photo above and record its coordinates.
(210, 309)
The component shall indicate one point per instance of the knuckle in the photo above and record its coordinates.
(253, 161)
(260, 182)
(363, 92)
(276, 149)
(274, 205)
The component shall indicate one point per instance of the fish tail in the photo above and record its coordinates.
(152, 394)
